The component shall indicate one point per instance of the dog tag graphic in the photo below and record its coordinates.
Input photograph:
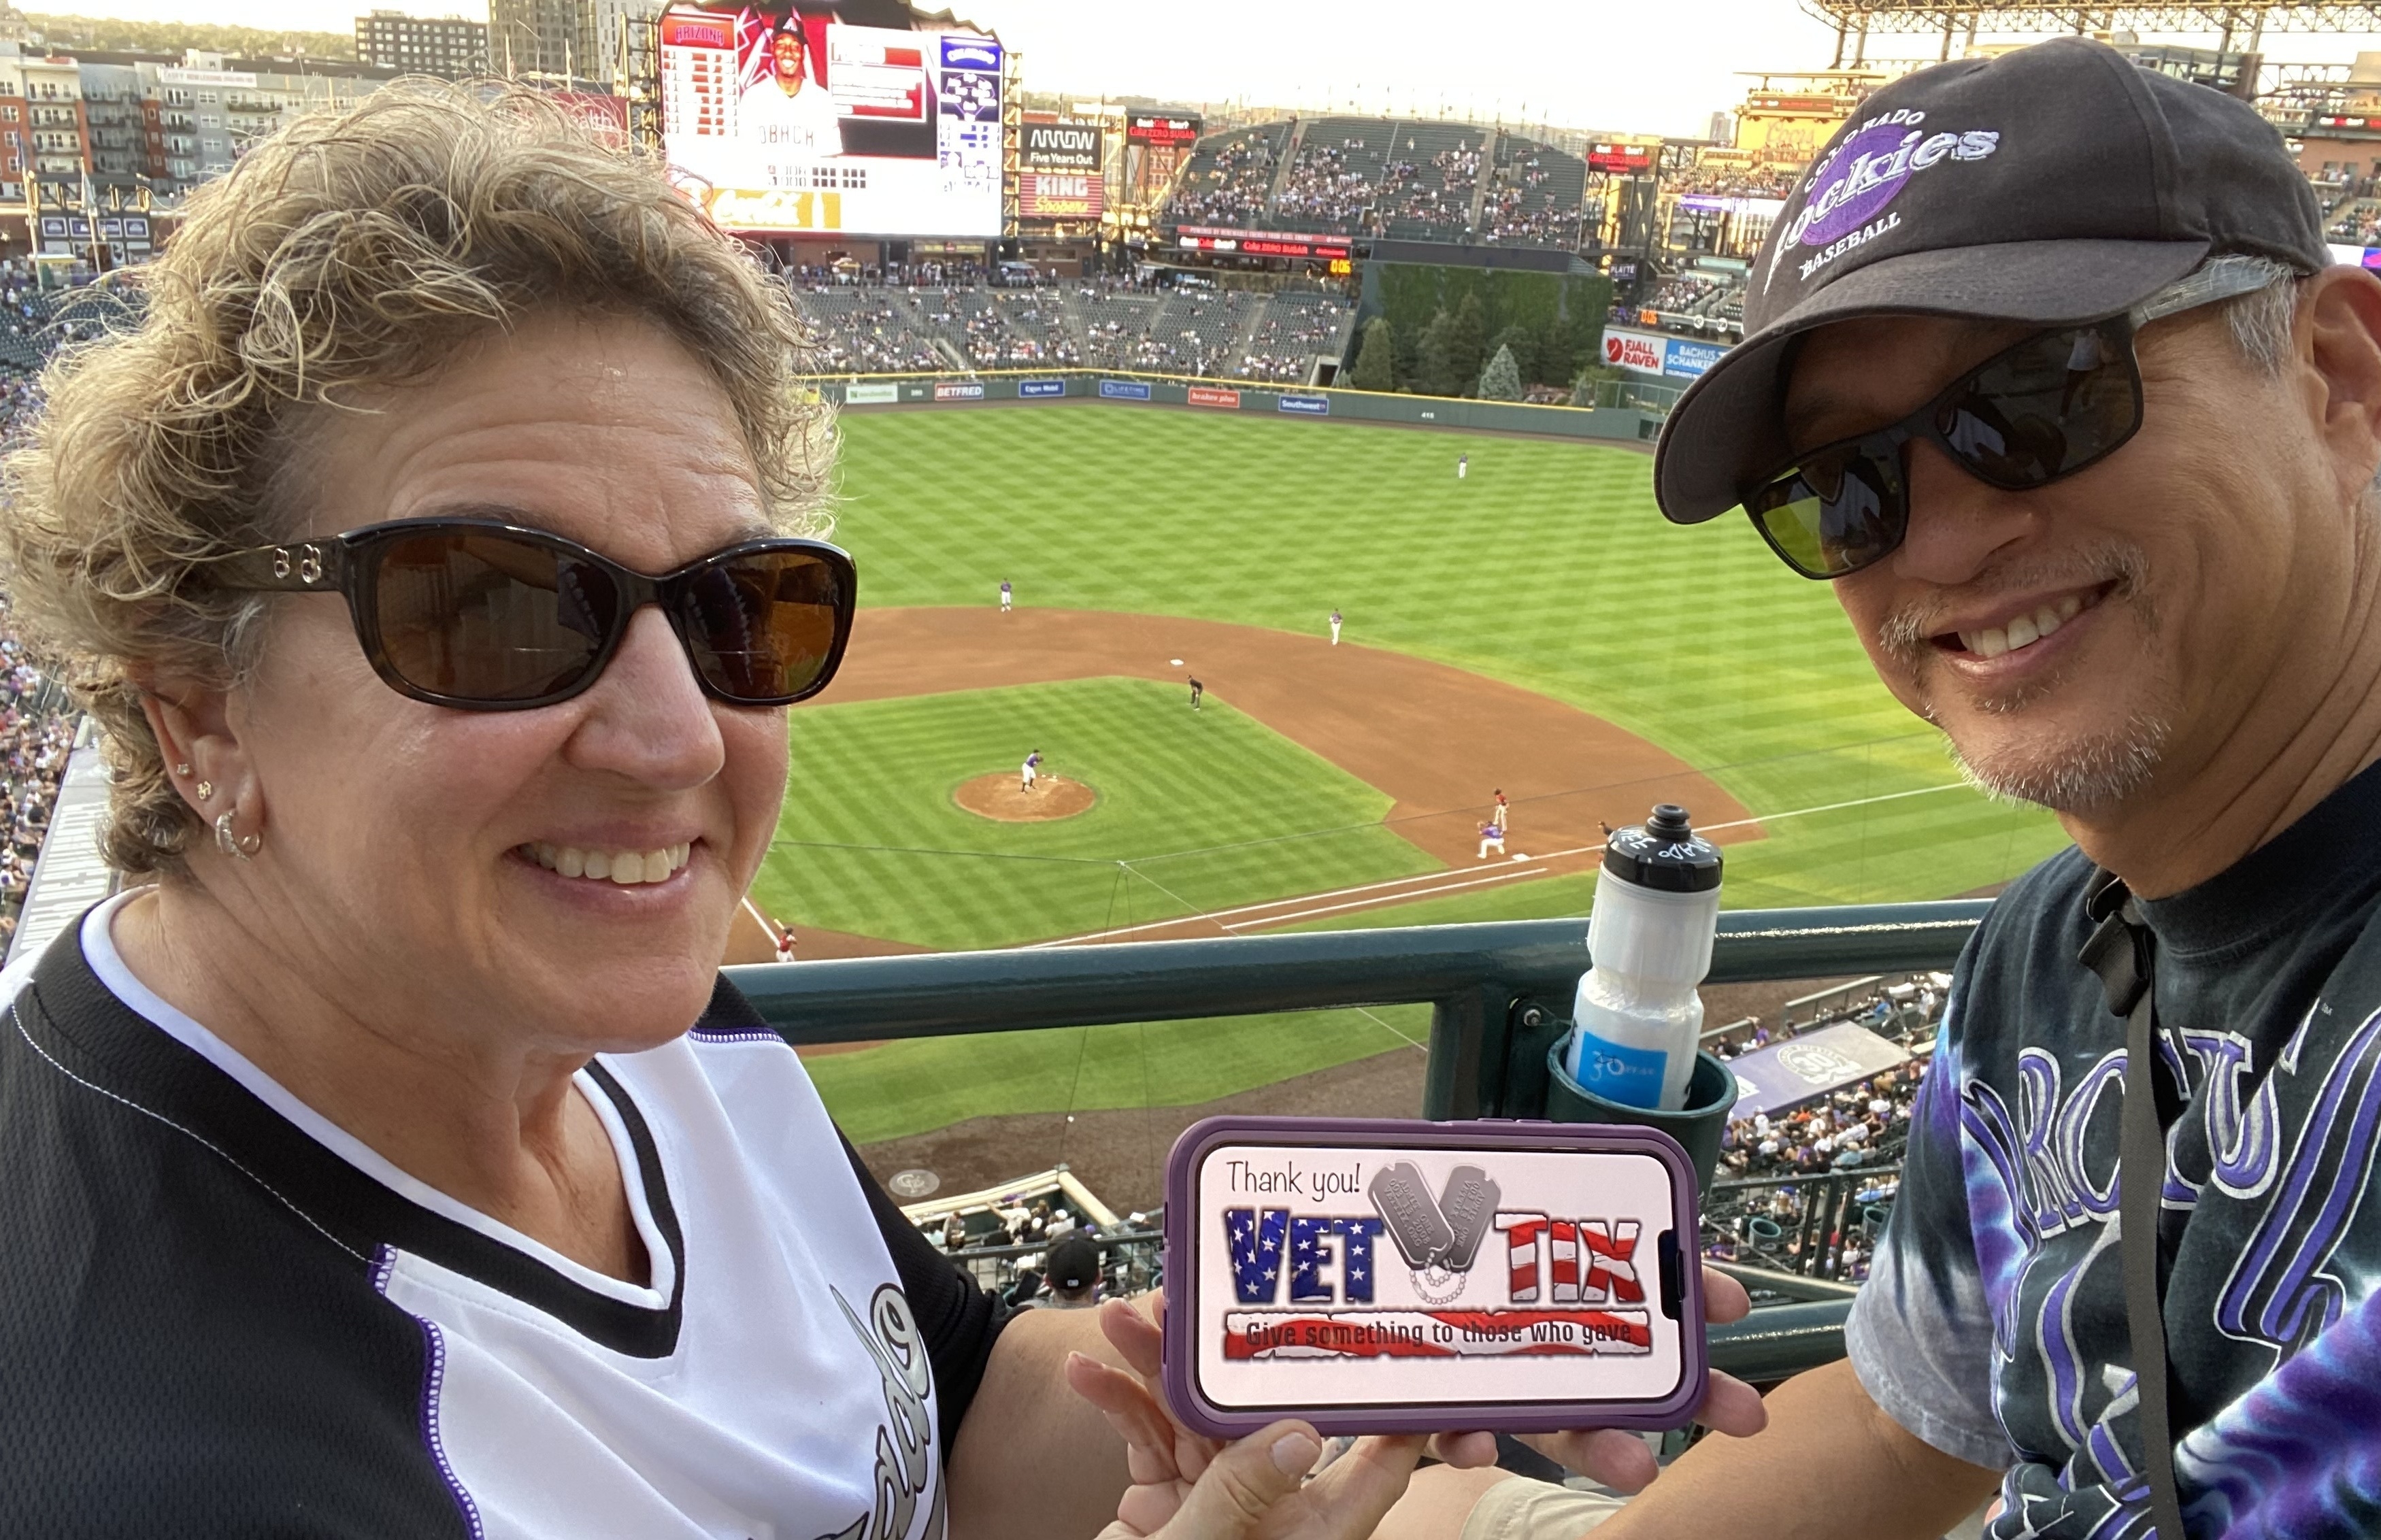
(1469, 1209)
(1411, 1216)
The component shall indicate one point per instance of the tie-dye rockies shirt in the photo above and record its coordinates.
(1993, 1326)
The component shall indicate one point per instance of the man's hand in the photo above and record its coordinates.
(1620, 1459)
(1186, 1487)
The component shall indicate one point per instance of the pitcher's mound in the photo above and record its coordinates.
(997, 796)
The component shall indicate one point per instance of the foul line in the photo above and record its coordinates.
(1418, 893)
(1218, 917)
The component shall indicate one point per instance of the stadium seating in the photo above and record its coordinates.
(1229, 176)
(1536, 195)
(866, 328)
(1401, 178)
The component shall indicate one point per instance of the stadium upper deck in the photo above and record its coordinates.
(1397, 178)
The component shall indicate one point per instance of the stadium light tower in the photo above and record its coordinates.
(2241, 23)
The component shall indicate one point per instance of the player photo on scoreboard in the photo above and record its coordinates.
(849, 118)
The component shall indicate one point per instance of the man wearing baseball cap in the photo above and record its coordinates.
(2046, 373)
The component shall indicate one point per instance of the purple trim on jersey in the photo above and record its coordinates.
(434, 1380)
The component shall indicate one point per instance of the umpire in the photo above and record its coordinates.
(2047, 374)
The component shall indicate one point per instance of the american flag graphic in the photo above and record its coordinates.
(1256, 1242)
(1311, 1251)
(1537, 1245)
(1276, 1334)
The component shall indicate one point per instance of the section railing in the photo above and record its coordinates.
(1497, 993)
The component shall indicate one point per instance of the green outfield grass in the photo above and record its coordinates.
(1548, 568)
(870, 841)
(905, 1088)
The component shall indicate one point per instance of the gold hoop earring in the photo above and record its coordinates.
(237, 848)
(205, 790)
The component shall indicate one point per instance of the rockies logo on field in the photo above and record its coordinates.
(1438, 1236)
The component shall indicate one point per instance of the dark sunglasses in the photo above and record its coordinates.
(2058, 402)
(489, 617)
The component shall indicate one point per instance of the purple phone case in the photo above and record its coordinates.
(1182, 1271)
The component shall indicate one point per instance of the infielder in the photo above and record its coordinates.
(1491, 839)
(1007, 597)
(1334, 628)
(1501, 812)
(1197, 689)
(1031, 769)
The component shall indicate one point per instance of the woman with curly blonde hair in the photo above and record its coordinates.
(437, 552)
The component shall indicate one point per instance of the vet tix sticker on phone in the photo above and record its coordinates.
(1396, 1274)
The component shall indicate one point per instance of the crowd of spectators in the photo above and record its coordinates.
(37, 722)
(1324, 189)
(1230, 188)
(1103, 321)
(1733, 181)
(1435, 191)
(1863, 1124)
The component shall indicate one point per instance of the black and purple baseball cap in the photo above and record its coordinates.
(2052, 185)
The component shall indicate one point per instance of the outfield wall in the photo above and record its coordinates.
(1126, 389)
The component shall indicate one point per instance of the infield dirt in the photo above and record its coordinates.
(1439, 740)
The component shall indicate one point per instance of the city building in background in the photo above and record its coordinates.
(449, 45)
(538, 37)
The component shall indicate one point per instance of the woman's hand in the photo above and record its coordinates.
(1618, 1459)
(1186, 1487)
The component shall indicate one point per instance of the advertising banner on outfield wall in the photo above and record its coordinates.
(871, 394)
(1041, 387)
(1124, 390)
(959, 390)
(1208, 396)
(1658, 353)
(1311, 406)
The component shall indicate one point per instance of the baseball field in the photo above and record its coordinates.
(1533, 628)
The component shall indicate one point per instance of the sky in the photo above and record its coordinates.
(1643, 65)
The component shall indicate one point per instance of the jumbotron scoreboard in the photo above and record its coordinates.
(790, 121)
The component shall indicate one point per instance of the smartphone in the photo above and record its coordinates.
(1386, 1276)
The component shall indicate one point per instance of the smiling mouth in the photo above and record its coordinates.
(624, 868)
(2022, 629)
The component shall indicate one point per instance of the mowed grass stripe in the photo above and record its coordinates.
(906, 1088)
(1548, 566)
(870, 841)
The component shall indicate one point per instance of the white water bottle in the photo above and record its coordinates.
(1639, 1020)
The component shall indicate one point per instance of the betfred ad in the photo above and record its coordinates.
(1356, 1277)
(959, 390)
(1209, 395)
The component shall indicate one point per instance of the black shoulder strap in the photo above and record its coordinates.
(2120, 952)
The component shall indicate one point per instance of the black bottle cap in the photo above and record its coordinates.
(1663, 853)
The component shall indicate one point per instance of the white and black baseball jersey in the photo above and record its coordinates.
(222, 1315)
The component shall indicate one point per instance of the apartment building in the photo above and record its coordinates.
(451, 46)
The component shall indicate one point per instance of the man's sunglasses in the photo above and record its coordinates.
(2058, 402)
(489, 617)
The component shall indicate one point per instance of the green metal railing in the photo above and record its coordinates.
(1496, 992)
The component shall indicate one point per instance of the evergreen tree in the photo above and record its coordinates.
(1377, 358)
(1501, 381)
(1467, 345)
(1522, 339)
(1435, 365)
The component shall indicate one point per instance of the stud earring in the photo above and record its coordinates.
(205, 790)
(183, 768)
(237, 848)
